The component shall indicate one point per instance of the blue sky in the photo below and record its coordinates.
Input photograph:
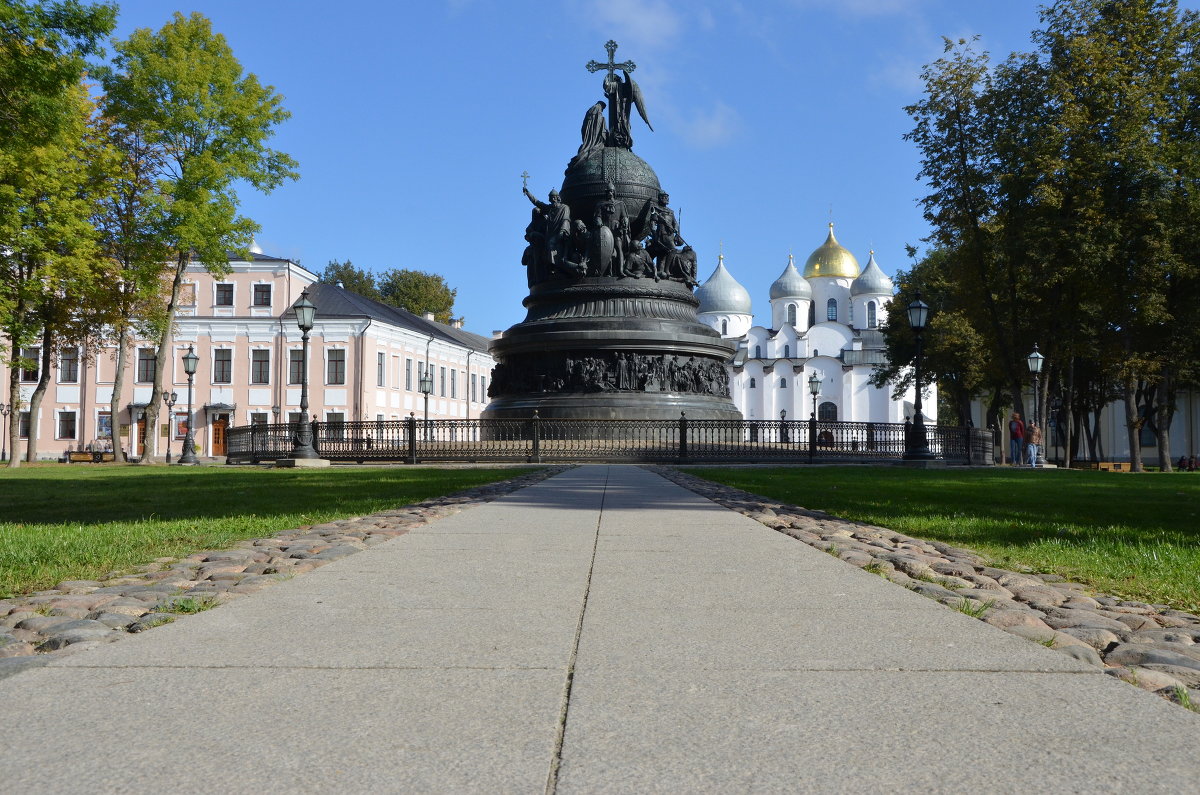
(412, 122)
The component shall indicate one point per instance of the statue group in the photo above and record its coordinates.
(609, 243)
(620, 372)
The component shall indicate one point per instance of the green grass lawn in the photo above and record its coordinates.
(1127, 535)
(68, 522)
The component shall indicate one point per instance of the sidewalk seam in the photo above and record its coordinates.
(560, 733)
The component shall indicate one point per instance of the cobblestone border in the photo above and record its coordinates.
(82, 614)
(1154, 647)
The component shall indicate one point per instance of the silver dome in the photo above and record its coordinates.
(790, 283)
(722, 293)
(873, 281)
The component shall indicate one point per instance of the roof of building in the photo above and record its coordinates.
(872, 281)
(722, 293)
(831, 259)
(337, 302)
(790, 283)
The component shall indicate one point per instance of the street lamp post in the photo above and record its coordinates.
(916, 447)
(188, 456)
(425, 384)
(4, 412)
(1035, 361)
(814, 389)
(170, 399)
(306, 313)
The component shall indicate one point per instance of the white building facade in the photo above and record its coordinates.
(824, 321)
(365, 360)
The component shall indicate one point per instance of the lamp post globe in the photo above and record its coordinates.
(916, 446)
(188, 456)
(306, 313)
(1034, 362)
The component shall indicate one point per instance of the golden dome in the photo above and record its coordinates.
(831, 260)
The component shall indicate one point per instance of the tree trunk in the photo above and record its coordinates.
(14, 400)
(160, 359)
(1067, 449)
(1133, 423)
(35, 400)
(1162, 421)
(114, 406)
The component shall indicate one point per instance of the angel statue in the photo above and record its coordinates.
(621, 95)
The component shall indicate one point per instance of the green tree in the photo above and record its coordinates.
(418, 292)
(182, 91)
(356, 280)
(43, 47)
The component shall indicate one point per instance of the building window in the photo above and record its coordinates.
(258, 418)
(442, 380)
(791, 314)
(474, 393)
(146, 365)
(787, 351)
(335, 425)
(827, 412)
(68, 366)
(335, 368)
(724, 327)
(482, 388)
(453, 383)
(753, 384)
(23, 426)
(260, 367)
(871, 321)
(33, 366)
(812, 315)
(757, 351)
(224, 295)
(380, 370)
(295, 366)
(66, 425)
(831, 309)
(223, 366)
(262, 295)
(408, 374)
(783, 383)
(295, 417)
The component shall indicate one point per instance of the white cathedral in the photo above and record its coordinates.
(825, 321)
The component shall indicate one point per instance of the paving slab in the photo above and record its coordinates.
(603, 630)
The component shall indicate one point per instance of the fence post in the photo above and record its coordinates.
(536, 431)
(410, 425)
(683, 439)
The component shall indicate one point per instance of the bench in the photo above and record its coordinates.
(86, 457)
(1113, 466)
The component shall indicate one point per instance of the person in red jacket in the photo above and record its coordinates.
(1016, 440)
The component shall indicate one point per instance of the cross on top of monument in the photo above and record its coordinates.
(611, 66)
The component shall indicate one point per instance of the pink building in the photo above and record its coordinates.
(365, 362)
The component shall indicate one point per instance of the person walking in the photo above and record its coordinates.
(1016, 439)
(1034, 443)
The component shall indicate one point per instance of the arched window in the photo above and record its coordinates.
(791, 314)
(724, 327)
(787, 351)
(783, 383)
(827, 412)
(831, 309)
(753, 383)
(871, 322)
(812, 315)
(757, 351)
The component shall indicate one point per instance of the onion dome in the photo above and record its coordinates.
(790, 283)
(873, 280)
(722, 293)
(831, 260)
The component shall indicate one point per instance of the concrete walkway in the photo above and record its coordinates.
(604, 630)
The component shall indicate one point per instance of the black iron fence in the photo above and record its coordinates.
(676, 441)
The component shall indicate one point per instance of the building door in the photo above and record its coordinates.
(219, 423)
(139, 430)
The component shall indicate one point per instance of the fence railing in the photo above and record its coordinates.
(536, 440)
